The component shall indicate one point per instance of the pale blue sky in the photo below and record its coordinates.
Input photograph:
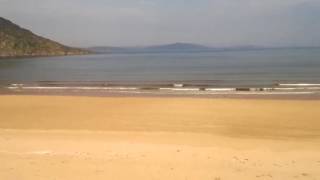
(143, 22)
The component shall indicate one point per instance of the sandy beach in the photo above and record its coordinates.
(61, 137)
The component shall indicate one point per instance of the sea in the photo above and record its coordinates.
(231, 71)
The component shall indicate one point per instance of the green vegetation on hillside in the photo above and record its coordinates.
(16, 41)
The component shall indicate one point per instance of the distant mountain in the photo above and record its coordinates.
(18, 42)
(179, 47)
(167, 48)
(187, 47)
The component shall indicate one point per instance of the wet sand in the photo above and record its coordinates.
(55, 137)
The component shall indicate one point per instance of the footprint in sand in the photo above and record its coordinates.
(277, 165)
(264, 175)
(242, 161)
(43, 152)
(99, 171)
(302, 174)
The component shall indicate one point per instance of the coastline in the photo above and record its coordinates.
(117, 94)
(297, 91)
(6, 57)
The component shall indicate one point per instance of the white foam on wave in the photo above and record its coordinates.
(178, 85)
(261, 93)
(16, 84)
(297, 88)
(220, 89)
(180, 89)
(299, 84)
(13, 87)
(74, 88)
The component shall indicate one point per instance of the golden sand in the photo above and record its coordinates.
(48, 137)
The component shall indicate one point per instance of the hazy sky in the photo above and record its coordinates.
(142, 22)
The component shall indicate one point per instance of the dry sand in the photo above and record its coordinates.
(158, 138)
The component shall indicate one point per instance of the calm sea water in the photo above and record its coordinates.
(242, 68)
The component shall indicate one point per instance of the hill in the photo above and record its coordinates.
(175, 47)
(189, 48)
(19, 42)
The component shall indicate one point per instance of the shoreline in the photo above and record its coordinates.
(45, 56)
(151, 94)
(163, 89)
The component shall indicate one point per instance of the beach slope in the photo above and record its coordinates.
(56, 137)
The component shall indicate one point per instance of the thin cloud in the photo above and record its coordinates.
(141, 22)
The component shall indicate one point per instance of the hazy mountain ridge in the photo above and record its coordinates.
(183, 47)
(175, 47)
(19, 42)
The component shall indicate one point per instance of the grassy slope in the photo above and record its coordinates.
(16, 41)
